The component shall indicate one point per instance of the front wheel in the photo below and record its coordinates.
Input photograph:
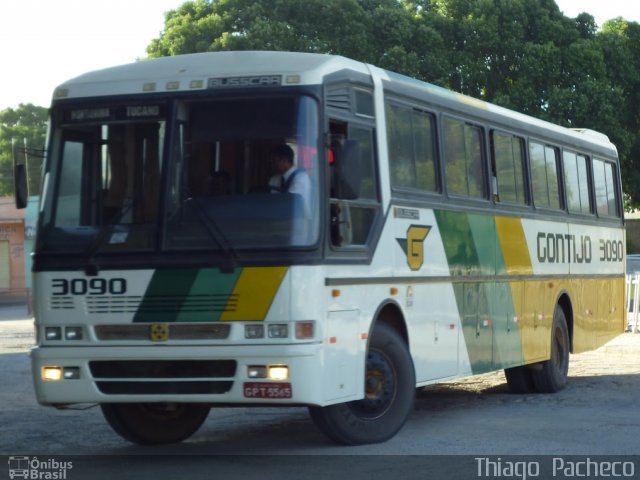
(389, 395)
(155, 423)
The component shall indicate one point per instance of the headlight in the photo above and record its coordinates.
(278, 372)
(54, 374)
(254, 331)
(272, 372)
(53, 333)
(51, 374)
(73, 333)
(277, 330)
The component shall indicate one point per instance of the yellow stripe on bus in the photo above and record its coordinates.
(514, 246)
(528, 296)
(255, 290)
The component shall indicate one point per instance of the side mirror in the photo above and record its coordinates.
(21, 190)
(347, 171)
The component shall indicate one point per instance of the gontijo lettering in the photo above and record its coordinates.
(567, 248)
(563, 248)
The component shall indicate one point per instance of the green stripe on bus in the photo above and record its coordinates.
(186, 295)
(486, 309)
(210, 296)
(500, 313)
(458, 242)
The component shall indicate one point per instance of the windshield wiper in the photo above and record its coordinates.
(91, 268)
(218, 236)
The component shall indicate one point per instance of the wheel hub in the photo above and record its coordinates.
(380, 386)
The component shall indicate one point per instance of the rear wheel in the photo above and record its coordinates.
(155, 423)
(519, 379)
(389, 395)
(551, 375)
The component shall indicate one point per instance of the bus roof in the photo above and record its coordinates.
(192, 72)
(458, 102)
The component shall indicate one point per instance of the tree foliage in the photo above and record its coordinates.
(26, 126)
(522, 54)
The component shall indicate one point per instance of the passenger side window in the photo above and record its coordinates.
(576, 182)
(463, 158)
(603, 183)
(544, 175)
(411, 135)
(508, 156)
(354, 196)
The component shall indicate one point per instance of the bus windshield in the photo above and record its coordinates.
(221, 186)
(230, 186)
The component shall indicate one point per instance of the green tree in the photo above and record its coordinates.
(384, 33)
(620, 41)
(322, 26)
(522, 54)
(24, 126)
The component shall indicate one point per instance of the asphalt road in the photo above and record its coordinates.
(596, 415)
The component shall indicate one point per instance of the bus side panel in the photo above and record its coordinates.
(488, 307)
(601, 317)
(586, 263)
(528, 296)
(429, 304)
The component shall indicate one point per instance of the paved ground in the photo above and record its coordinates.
(595, 414)
(16, 329)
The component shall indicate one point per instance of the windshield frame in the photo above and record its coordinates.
(245, 198)
(46, 258)
(88, 128)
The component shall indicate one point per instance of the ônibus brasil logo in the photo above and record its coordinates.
(38, 469)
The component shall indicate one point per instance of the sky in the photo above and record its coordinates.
(46, 42)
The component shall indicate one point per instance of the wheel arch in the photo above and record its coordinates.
(391, 314)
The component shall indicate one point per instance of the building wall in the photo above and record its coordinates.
(12, 257)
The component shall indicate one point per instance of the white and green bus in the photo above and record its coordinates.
(435, 237)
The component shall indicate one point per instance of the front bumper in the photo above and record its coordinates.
(204, 374)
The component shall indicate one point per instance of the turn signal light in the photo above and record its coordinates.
(305, 330)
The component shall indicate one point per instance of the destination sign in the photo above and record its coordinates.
(120, 112)
(142, 111)
(84, 114)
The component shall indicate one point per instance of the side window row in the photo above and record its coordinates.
(412, 135)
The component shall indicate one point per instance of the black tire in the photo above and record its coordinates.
(155, 423)
(519, 379)
(551, 375)
(389, 395)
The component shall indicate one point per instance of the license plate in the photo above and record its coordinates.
(267, 390)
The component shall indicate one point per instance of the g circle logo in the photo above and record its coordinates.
(415, 245)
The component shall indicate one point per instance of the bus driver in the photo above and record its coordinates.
(288, 178)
